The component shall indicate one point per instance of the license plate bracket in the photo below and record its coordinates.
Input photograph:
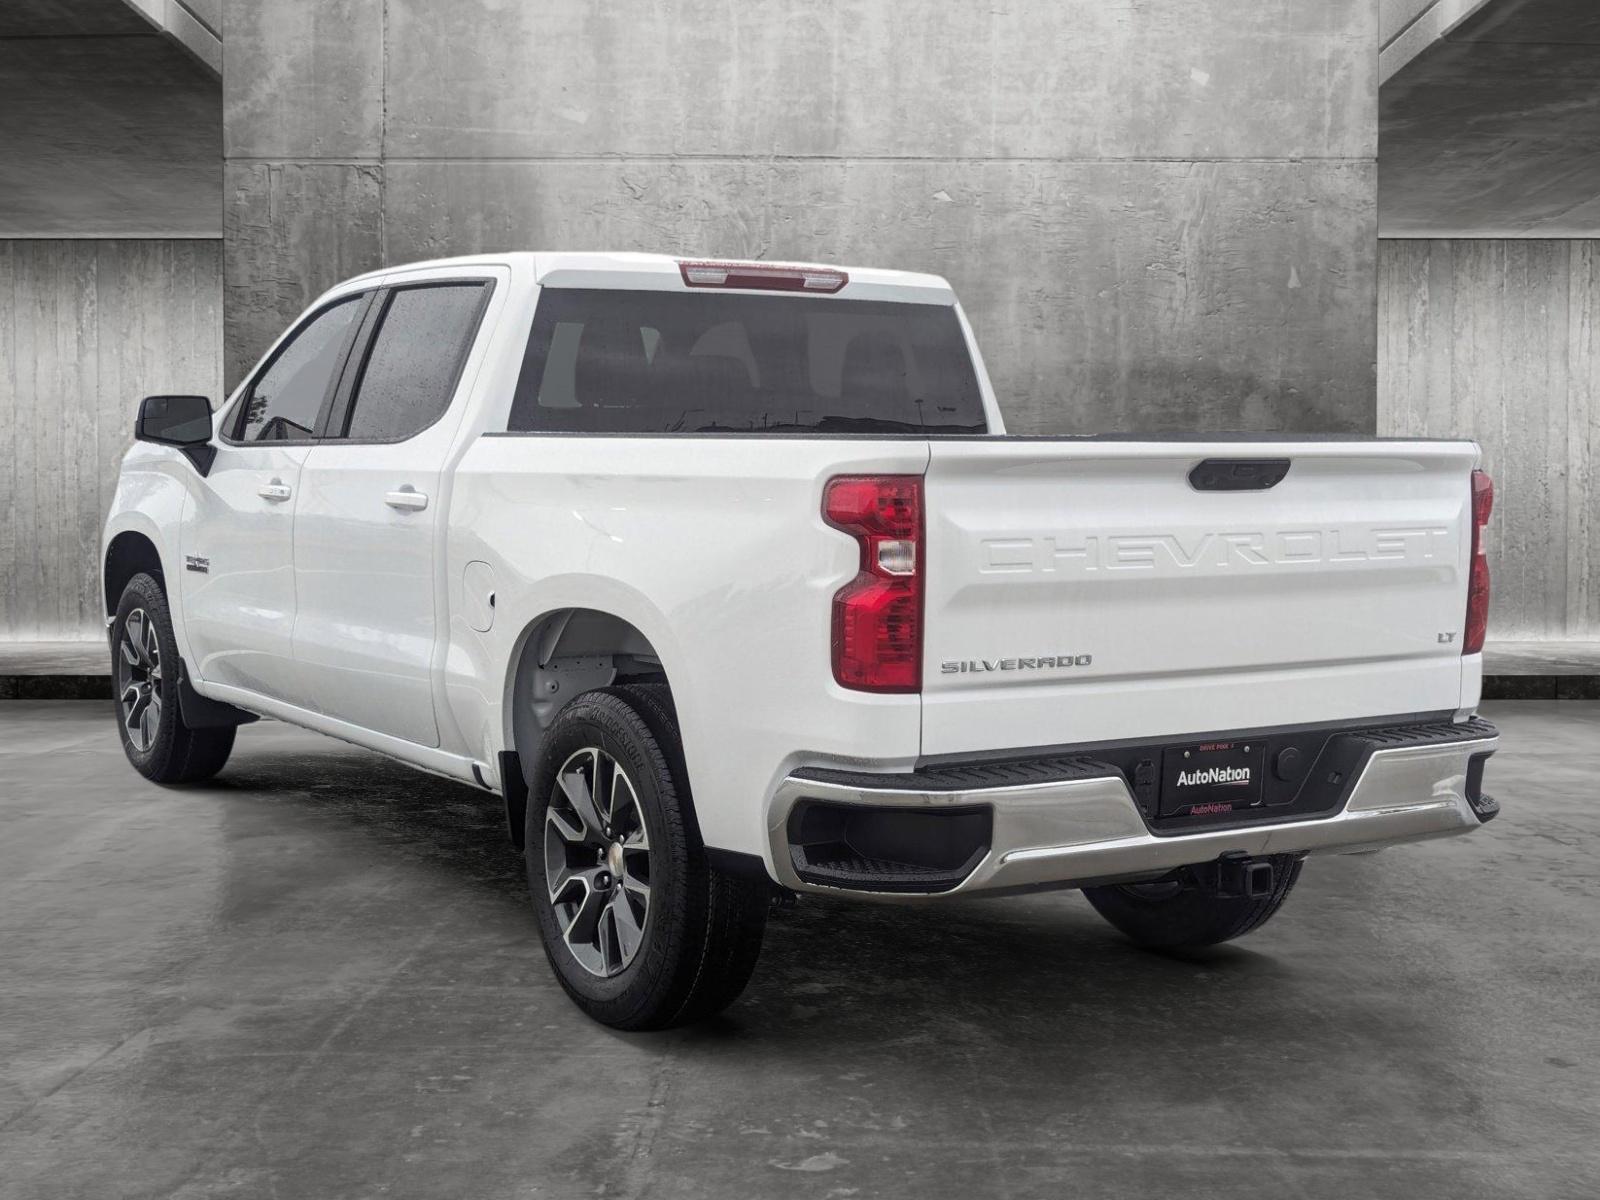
(1212, 778)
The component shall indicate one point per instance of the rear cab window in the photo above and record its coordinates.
(605, 360)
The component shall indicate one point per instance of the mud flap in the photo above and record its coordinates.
(201, 712)
(514, 787)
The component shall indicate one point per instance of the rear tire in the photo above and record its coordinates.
(1180, 915)
(144, 672)
(640, 930)
(736, 946)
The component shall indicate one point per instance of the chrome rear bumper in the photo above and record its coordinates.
(1073, 832)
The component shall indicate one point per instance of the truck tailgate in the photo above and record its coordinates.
(1081, 591)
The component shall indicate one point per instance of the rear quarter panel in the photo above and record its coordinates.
(715, 549)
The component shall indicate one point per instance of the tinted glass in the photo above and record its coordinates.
(285, 401)
(607, 361)
(180, 420)
(415, 359)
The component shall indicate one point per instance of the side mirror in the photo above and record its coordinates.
(181, 421)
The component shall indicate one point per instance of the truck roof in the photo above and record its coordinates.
(623, 269)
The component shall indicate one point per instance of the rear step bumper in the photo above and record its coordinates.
(1074, 821)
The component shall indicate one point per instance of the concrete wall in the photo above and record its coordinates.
(194, 26)
(107, 129)
(1500, 341)
(1494, 132)
(1408, 27)
(1160, 214)
(86, 329)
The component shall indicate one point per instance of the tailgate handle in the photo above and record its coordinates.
(1238, 474)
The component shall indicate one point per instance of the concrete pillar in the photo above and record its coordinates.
(1494, 339)
(87, 327)
(1159, 213)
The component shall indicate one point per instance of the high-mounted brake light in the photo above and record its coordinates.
(1478, 575)
(770, 277)
(877, 616)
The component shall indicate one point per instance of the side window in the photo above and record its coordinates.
(415, 358)
(284, 402)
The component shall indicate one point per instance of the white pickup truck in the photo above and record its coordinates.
(727, 578)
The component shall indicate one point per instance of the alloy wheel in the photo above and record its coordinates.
(597, 862)
(139, 679)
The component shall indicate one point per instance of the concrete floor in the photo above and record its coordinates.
(319, 977)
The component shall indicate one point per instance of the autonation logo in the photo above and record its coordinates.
(1213, 775)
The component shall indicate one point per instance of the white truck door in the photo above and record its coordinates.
(237, 540)
(367, 525)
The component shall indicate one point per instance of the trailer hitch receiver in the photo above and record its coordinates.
(1237, 876)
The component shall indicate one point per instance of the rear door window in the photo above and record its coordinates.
(413, 361)
(615, 361)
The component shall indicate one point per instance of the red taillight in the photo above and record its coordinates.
(877, 616)
(770, 277)
(1478, 577)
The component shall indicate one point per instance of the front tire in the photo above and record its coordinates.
(1180, 914)
(144, 672)
(640, 930)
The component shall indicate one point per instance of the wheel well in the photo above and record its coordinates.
(128, 555)
(565, 654)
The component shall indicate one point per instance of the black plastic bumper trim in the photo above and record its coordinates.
(961, 777)
(875, 848)
(1095, 750)
(1484, 806)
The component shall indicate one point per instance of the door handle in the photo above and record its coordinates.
(275, 491)
(406, 497)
